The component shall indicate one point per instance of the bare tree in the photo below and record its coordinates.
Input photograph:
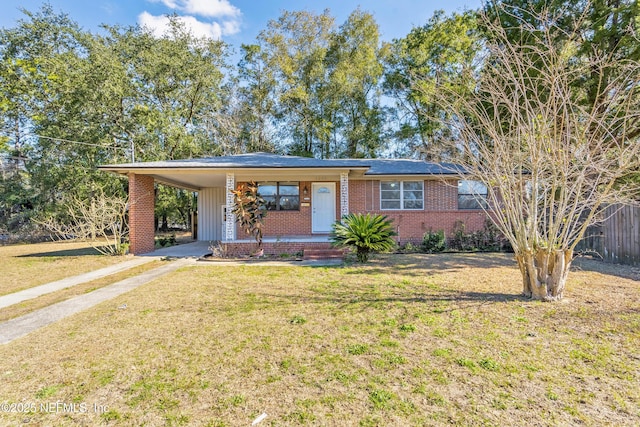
(100, 221)
(551, 160)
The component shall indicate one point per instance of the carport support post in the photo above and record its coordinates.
(141, 214)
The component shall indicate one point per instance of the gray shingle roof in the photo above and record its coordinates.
(408, 167)
(268, 160)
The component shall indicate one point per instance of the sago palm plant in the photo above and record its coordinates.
(365, 232)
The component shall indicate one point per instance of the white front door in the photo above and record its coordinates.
(323, 204)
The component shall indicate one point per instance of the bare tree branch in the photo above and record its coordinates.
(100, 221)
(551, 161)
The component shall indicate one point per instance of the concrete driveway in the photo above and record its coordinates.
(186, 250)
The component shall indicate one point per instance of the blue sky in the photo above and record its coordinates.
(233, 21)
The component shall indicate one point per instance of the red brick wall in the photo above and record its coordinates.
(441, 196)
(411, 226)
(440, 213)
(291, 223)
(272, 248)
(141, 211)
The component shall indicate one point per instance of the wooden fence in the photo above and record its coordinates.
(617, 238)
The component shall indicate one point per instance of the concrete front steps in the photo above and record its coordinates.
(311, 254)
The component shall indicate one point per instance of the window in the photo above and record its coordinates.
(280, 196)
(472, 195)
(407, 195)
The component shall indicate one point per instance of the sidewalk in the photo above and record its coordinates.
(23, 325)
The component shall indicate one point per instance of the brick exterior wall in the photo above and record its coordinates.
(440, 212)
(141, 211)
(272, 248)
(291, 223)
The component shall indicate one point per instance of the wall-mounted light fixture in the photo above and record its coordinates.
(305, 191)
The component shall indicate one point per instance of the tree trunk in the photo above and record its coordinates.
(544, 273)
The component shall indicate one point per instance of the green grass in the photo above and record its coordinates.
(26, 266)
(220, 345)
(46, 392)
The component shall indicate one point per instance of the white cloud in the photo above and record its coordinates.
(159, 26)
(169, 3)
(228, 15)
(230, 27)
(212, 8)
(208, 8)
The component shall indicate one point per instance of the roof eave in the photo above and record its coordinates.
(123, 169)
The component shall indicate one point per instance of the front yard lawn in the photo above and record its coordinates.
(404, 340)
(29, 265)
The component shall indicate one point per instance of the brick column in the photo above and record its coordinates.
(141, 209)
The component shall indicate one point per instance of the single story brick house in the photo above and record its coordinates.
(305, 197)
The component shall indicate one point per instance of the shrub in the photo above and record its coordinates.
(166, 241)
(461, 240)
(123, 248)
(433, 241)
(219, 250)
(486, 240)
(366, 233)
(410, 248)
